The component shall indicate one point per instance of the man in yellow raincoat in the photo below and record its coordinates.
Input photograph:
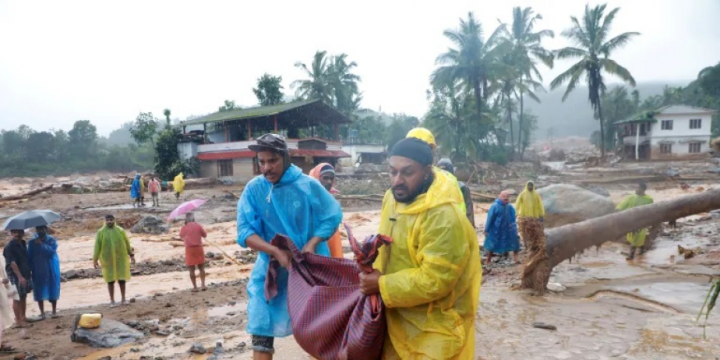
(179, 185)
(112, 248)
(636, 238)
(429, 278)
(529, 207)
(427, 136)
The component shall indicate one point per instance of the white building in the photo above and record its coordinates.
(363, 153)
(671, 132)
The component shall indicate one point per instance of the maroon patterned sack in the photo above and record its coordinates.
(331, 319)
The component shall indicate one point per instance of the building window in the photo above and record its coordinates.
(225, 168)
(695, 123)
(667, 124)
(666, 148)
(694, 148)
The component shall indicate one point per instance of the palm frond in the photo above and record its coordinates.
(574, 71)
(571, 53)
(616, 43)
(612, 67)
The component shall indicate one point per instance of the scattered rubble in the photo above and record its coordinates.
(150, 225)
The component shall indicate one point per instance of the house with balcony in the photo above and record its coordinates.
(673, 132)
(220, 140)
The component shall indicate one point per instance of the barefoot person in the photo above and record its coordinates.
(429, 278)
(112, 249)
(192, 234)
(281, 201)
(325, 173)
(18, 271)
(501, 234)
(45, 267)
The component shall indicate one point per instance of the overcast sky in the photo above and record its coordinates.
(61, 61)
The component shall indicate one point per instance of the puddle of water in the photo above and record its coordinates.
(683, 295)
(115, 207)
(664, 249)
(596, 264)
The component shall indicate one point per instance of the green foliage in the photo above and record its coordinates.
(56, 152)
(167, 157)
(144, 129)
(167, 113)
(399, 127)
(268, 90)
(331, 80)
(709, 80)
(593, 49)
(229, 105)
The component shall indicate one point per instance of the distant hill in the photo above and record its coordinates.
(574, 117)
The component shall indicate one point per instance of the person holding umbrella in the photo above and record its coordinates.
(45, 268)
(112, 249)
(192, 234)
(18, 271)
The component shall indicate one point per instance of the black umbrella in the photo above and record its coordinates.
(31, 219)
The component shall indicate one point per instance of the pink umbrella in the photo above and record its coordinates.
(186, 207)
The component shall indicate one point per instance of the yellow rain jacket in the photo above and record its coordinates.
(112, 248)
(636, 238)
(529, 204)
(432, 276)
(179, 183)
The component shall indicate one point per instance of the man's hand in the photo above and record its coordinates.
(22, 282)
(284, 257)
(132, 259)
(95, 265)
(311, 245)
(370, 283)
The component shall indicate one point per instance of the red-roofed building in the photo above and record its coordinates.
(220, 140)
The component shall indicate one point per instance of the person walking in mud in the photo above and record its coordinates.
(529, 208)
(179, 185)
(285, 201)
(325, 173)
(136, 191)
(155, 187)
(501, 234)
(192, 235)
(112, 249)
(17, 267)
(45, 268)
(636, 238)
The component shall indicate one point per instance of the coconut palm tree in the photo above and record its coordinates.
(473, 61)
(166, 112)
(344, 83)
(526, 51)
(318, 85)
(593, 48)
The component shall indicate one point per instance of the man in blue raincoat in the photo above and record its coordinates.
(45, 267)
(501, 233)
(136, 191)
(281, 201)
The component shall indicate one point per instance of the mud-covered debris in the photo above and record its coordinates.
(197, 349)
(110, 334)
(540, 325)
(218, 348)
(150, 225)
(555, 287)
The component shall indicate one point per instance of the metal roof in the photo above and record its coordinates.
(682, 109)
(304, 112)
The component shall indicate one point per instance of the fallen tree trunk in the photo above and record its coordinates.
(27, 194)
(565, 241)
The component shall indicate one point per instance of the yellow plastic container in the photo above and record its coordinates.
(90, 321)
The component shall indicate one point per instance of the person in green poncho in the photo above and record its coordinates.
(636, 238)
(112, 248)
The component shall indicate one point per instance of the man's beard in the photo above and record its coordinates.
(412, 195)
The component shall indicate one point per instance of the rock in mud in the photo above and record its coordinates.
(110, 334)
(555, 287)
(150, 225)
(540, 325)
(568, 204)
(197, 349)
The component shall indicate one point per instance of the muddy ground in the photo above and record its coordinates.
(609, 308)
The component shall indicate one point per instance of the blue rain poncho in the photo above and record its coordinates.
(297, 206)
(136, 188)
(502, 235)
(45, 268)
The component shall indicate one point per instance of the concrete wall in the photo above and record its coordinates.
(354, 150)
(242, 170)
(187, 150)
(681, 126)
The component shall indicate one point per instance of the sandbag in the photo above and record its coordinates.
(331, 319)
